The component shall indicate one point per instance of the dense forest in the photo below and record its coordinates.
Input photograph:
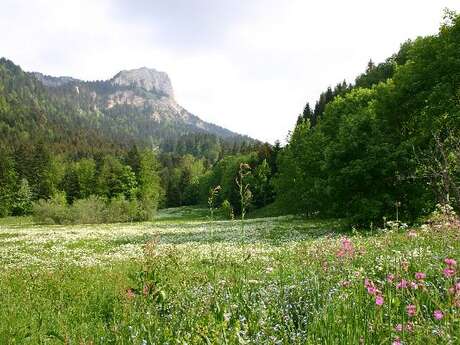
(386, 145)
(56, 150)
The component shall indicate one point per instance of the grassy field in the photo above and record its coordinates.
(186, 280)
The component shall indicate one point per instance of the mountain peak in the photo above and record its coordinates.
(148, 79)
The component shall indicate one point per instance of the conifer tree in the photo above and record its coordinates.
(23, 199)
(7, 183)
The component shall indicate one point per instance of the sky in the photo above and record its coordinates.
(247, 65)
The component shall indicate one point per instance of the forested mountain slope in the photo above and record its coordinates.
(64, 140)
(135, 106)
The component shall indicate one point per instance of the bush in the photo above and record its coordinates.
(227, 209)
(92, 210)
(88, 211)
(121, 210)
(52, 211)
(147, 209)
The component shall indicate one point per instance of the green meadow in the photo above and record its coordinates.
(185, 279)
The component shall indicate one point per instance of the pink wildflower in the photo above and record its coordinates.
(402, 284)
(379, 300)
(347, 248)
(397, 341)
(457, 302)
(420, 275)
(448, 272)
(371, 290)
(370, 286)
(410, 327)
(411, 310)
(455, 289)
(346, 244)
(399, 327)
(438, 315)
(450, 262)
(130, 293)
(390, 278)
(345, 283)
(412, 234)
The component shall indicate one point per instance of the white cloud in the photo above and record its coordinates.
(247, 65)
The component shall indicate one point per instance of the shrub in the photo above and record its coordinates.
(92, 210)
(227, 209)
(88, 211)
(146, 209)
(52, 211)
(121, 210)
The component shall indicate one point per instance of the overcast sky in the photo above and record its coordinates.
(248, 65)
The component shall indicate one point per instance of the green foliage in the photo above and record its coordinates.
(181, 176)
(92, 210)
(121, 210)
(45, 172)
(7, 183)
(227, 209)
(59, 141)
(439, 166)
(85, 170)
(213, 193)
(70, 184)
(52, 211)
(23, 199)
(360, 158)
(115, 179)
(150, 191)
(244, 190)
(226, 172)
(261, 185)
(88, 211)
(99, 191)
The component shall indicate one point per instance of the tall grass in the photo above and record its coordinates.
(319, 290)
(244, 192)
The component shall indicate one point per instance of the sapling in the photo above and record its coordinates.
(244, 191)
(212, 200)
(213, 192)
(227, 209)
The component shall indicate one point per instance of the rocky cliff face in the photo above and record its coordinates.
(53, 81)
(145, 78)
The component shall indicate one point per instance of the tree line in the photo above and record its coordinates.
(32, 173)
(387, 143)
(384, 144)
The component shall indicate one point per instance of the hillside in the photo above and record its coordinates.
(134, 106)
(144, 93)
